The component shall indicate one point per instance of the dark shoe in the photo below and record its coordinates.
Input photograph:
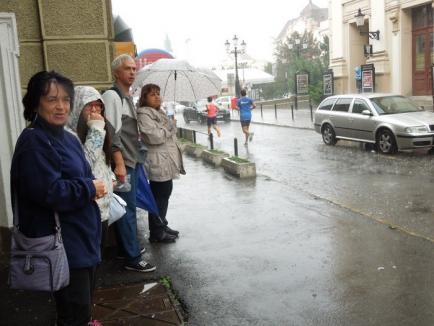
(171, 231)
(141, 266)
(163, 238)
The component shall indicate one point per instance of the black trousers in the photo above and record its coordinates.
(74, 303)
(161, 192)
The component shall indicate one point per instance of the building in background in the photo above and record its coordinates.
(402, 54)
(311, 19)
(123, 40)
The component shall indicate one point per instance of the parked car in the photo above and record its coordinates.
(197, 113)
(390, 122)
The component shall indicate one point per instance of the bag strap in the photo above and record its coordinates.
(16, 215)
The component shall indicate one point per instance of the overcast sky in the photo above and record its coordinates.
(198, 29)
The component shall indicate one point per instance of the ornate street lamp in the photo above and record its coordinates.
(360, 21)
(236, 51)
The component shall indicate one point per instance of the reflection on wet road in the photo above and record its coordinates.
(268, 252)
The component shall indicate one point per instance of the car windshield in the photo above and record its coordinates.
(394, 105)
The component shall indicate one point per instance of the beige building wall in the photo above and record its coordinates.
(72, 37)
(392, 53)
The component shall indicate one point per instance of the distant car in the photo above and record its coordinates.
(390, 122)
(197, 113)
(177, 106)
(224, 101)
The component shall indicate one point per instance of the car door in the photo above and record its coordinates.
(362, 126)
(341, 117)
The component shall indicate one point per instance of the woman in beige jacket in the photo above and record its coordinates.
(164, 159)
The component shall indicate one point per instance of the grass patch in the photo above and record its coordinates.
(197, 145)
(183, 140)
(216, 151)
(166, 282)
(238, 159)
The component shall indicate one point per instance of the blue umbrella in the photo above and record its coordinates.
(145, 198)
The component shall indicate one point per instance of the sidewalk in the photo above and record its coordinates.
(121, 298)
(279, 117)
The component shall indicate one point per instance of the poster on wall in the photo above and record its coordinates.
(302, 84)
(368, 78)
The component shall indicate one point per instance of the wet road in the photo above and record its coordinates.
(290, 247)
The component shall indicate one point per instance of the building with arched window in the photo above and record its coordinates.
(395, 36)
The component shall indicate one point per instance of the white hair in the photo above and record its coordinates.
(117, 62)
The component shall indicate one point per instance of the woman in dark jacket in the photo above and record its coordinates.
(50, 174)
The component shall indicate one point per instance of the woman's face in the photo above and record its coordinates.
(153, 99)
(93, 109)
(54, 107)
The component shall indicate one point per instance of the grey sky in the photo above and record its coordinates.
(198, 29)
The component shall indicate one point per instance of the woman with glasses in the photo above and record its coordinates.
(87, 120)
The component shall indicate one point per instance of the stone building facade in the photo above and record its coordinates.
(74, 38)
(402, 55)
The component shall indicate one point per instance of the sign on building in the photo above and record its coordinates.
(368, 78)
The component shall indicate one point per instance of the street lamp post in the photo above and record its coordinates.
(235, 51)
(297, 45)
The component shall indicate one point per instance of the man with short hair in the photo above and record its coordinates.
(245, 105)
(121, 115)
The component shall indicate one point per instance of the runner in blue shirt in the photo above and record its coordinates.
(245, 105)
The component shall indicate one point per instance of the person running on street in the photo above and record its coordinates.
(212, 109)
(245, 105)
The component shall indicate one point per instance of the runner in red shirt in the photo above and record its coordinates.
(212, 109)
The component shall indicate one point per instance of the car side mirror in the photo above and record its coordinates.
(366, 112)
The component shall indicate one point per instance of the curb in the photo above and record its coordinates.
(277, 125)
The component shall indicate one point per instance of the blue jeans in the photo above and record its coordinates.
(126, 227)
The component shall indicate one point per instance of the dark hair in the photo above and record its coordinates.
(210, 99)
(243, 92)
(83, 129)
(39, 85)
(145, 91)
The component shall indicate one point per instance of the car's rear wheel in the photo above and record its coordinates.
(328, 135)
(386, 142)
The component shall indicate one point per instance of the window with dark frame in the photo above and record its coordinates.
(342, 105)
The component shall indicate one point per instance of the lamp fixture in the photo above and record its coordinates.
(360, 21)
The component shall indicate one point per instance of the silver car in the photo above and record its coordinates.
(391, 122)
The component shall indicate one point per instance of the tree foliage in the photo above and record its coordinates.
(307, 55)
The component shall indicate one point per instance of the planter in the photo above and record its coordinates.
(194, 149)
(182, 145)
(242, 169)
(214, 157)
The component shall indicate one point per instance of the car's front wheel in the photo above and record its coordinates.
(386, 142)
(328, 135)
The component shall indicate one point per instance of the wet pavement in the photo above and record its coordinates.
(323, 236)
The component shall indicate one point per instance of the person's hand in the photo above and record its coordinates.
(100, 188)
(120, 172)
(95, 116)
